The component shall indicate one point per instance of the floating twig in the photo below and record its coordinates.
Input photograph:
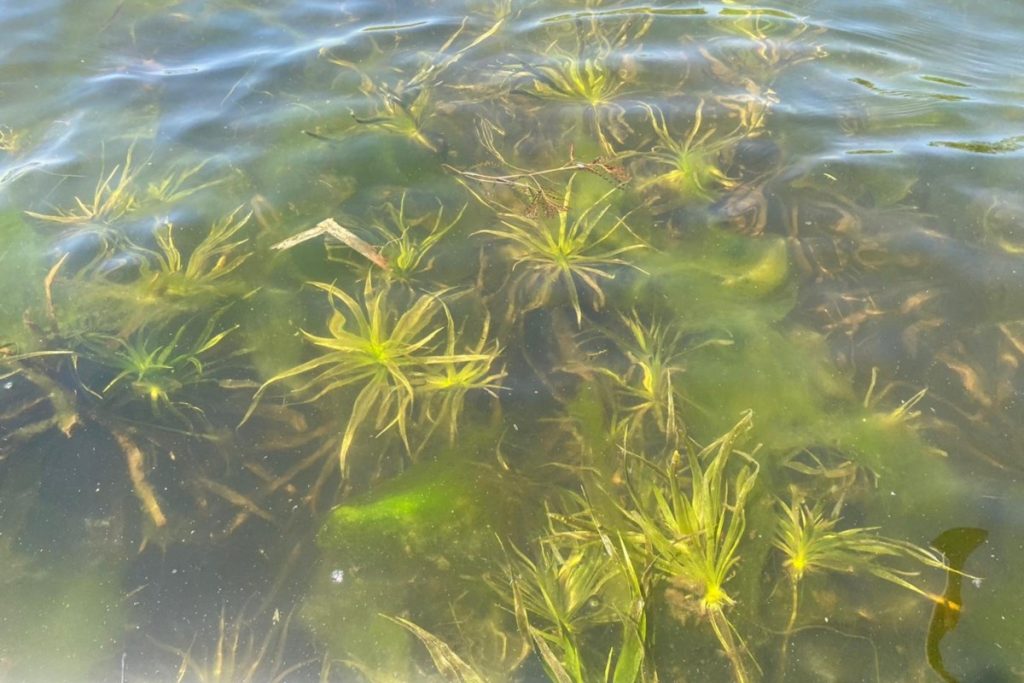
(331, 228)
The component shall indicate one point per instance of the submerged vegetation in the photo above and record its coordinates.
(649, 388)
(166, 272)
(592, 381)
(120, 192)
(151, 367)
(409, 243)
(692, 165)
(564, 249)
(390, 357)
(693, 540)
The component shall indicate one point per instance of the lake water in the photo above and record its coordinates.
(488, 340)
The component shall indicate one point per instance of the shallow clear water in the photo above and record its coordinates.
(212, 469)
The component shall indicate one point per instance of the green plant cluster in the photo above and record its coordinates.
(563, 413)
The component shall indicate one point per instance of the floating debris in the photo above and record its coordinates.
(331, 228)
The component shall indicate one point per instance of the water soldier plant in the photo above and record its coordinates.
(167, 273)
(593, 74)
(115, 195)
(763, 42)
(445, 386)
(405, 106)
(810, 542)
(558, 253)
(138, 285)
(120, 193)
(242, 653)
(570, 591)
(159, 366)
(646, 394)
(409, 243)
(694, 165)
(693, 539)
(391, 357)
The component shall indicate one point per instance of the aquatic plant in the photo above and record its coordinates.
(240, 654)
(750, 108)
(178, 185)
(387, 354)
(537, 189)
(559, 592)
(115, 195)
(156, 367)
(405, 106)
(167, 272)
(560, 251)
(594, 73)
(811, 543)
(568, 77)
(145, 286)
(446, 385)
(409, 241)
(646, 391)
(901, 414)
(693, 538)
(447, 662)
(402, 111)
(772, 40)
(873, 433)
(120, 193)
(567, 592)
(695, 163)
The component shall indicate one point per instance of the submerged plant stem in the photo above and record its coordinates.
(790, 624)
(140, 485)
